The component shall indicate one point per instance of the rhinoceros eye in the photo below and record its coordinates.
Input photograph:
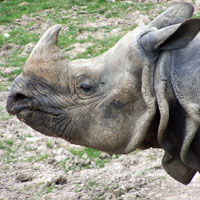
(85, 88)
(86, 85)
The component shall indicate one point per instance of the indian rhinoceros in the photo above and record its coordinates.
(144, 92)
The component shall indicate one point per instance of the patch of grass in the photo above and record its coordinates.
(92, 183)
(49, 144)
(42, 157)
(91, 153)
(2, 145)
(20, 137)
(136, 151)
(88, 185)
(147, 170)
(87, 158)
(11, 10)
(9, 152)
(144, 7)
(71, 13)
(197, 15)
(37, 158)
(20, 36)
(8, 142)
(29, 148)
(31, 159)
(49, 189)
(77, 188)
(99, 47)
(2, 40)
(16, 62)
(4, 86)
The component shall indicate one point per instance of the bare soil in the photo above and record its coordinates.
(138, 175)
(37, 167)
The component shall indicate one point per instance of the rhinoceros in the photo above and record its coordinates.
(143, 92)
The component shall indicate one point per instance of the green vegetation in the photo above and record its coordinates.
(86, 158)
(38, 158)
(11, 10)
(91, 153)
(49, 144)
(20, 17)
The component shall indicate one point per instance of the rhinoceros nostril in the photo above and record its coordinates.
(19, 97)
(16, 103)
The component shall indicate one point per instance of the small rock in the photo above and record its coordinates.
(78, 161)
(37, 18)
(24, 4)
(129, 187)
(108, 196)
(74, 8)
(6, 35)
(104, 155)
(87, 162)
(6, 47)
(24, 178)
(51, 160)
(117, 192)
(82, 12)
(61, 180)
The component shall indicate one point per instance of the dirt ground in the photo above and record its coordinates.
(35, 167)
(138, 175)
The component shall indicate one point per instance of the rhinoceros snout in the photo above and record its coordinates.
(18, 98)
(16, 103)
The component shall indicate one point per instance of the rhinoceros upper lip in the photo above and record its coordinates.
(15, 107)
(36, 109)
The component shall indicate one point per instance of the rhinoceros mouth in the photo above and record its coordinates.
(29, 112)
(47, 123)
(48, 120)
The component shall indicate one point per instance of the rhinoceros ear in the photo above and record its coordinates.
(175, 14)
(172, 37)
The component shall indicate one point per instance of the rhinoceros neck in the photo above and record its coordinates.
(185, 76)
(177, 90)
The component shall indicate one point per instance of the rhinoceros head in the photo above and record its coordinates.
(98, 102)
(109, 102)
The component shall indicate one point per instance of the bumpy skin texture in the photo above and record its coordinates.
(130, 97)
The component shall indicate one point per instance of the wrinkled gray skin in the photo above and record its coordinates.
(143, 92)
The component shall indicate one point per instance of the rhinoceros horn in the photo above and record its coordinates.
(47, 42)
(45, 55)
